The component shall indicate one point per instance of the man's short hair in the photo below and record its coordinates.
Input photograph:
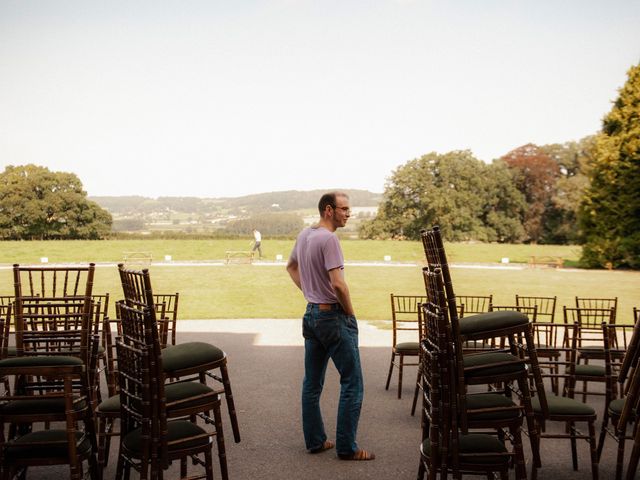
(329, 199)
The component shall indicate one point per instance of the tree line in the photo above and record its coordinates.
(585, 192)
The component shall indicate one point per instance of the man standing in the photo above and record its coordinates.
(330, 330)
(257, 241)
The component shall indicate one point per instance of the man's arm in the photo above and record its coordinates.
(342, 290)
(294, 273)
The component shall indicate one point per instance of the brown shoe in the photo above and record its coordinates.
(358, 455)
(327, 445)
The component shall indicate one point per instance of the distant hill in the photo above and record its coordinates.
(289, 200)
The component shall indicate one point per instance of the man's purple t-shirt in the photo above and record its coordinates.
(317, 250)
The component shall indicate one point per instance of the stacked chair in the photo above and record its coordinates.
(623, 382)
(188, 365)
(149, 439)
(54, 367)
(509, 366)
(448, 410)
(187, 360)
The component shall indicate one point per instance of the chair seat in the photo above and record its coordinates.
(189, 355)
(483, 322)
(45, 444)
(54, 406)
(176, 431)
(563, 406)
(616, 406)
(40, 361)
(491, 400)
(476, 443)
(173, 392)
(590, 370)
(408, 348)
(510, 364)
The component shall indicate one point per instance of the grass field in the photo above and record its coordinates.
(265, 291)
(183, 250)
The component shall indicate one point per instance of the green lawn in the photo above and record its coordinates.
(255, 291)
(183, 250)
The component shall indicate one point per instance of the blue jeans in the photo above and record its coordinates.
(331, 334)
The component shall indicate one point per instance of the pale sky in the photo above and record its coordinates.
(216, 98)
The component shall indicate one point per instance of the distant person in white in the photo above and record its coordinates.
(257, 240)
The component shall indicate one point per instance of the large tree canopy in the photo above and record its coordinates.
(36, 203)
(469, 199)
(535, 174)
(610, 213)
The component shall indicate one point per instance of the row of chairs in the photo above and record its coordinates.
(57, 319)
(405, 321)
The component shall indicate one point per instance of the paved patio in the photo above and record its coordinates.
(265, 362)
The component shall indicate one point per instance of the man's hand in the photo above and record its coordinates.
(294, 273)
(342, 290)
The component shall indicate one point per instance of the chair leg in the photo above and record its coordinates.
(592, 448)
(222, 453)
(620, 456)
(416, 392)
(574, 451)
(520, 467)
(421, 470)
(393, 357)
(400, 368)
(603, 432)
(230, 404)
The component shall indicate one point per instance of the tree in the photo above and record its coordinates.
(561, 217)
(610, 212)
(467, 198)
(36, 203)
(535, 174)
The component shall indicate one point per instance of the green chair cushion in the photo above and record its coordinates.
(590, 370)
(177, 430)
(563, 406)
(491, 321)
(616, 406)
(188, 355)
(40, 361)
(173, 393)
(45, 444)
(476, 443)
(489, 358)
(491, 400)
(37, 407)
(408, 348)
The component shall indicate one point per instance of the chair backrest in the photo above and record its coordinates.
(405, 316)
(589, 317)
(546, 306)
(473, 304)
(138, 397)
(630, 361)
(437, 259)
(136, 287)
(167, 314)
(52, 310)
(529, 311)
(53, 282)
(598, 303)
(5, 321)
(436, 387)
